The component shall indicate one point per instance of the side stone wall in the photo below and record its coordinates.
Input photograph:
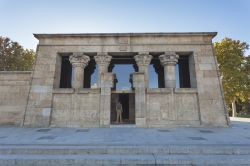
(167, 107)
(39, 105)
(75, 109)
(212, 107)
(14, 89)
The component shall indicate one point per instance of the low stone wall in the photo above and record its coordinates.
(75, 109)
(14, 89)
(166, 107)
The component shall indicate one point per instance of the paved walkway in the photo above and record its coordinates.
(237, 134)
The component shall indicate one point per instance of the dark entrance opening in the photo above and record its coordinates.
(128, 105)
(66, 73)
(124, 99)
(156, 70)
(184, 76)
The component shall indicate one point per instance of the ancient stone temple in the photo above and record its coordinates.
(60, 92)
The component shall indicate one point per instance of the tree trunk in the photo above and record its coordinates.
(233, 108)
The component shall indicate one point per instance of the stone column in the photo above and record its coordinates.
(107, 81)
(102, 59)
(140, 99)
(79, 61)
(169, 60)
(143, 59)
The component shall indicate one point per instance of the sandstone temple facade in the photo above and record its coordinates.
(59, 92)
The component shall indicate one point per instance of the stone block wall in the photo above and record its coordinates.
(168, 107)
(75, 109)
(14, 89)
(211, 101)
(39, 105)
(202, 104)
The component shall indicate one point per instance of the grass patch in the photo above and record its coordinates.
(244, 116)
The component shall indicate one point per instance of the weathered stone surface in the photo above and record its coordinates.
(143, 59)
(102, 59)
(37, 100)
(83, 110)
(165, 108)
(14, 90)
(172, 146)
(107, 81)
(140, 99)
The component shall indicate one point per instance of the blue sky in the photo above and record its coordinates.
(21, 18)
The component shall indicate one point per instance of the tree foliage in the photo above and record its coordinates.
(234, 68)
(14, 57)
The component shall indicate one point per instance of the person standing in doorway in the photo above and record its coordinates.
(119, 112)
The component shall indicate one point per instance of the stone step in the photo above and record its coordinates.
(129, 149)
(122, 159)
(123, 126)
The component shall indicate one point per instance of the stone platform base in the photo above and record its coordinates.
(125, 155)
(126, 146)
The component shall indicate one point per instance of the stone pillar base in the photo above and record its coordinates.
(140, 122)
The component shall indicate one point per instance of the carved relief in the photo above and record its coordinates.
(170, 58)
(103, 59)
(79, 60)
(143, 58)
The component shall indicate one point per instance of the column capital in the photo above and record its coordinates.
(102, 58)
(169, 58)
(79, 60)
(143, 58)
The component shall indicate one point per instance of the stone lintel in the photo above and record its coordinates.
(185, 90)
(88, 90)
(212, 34)
(159, 90)
(63, 90)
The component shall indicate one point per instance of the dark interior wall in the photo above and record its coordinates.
(159, 71)
(114, 98)
(184, 72)
(88, 71)
(66, 73)
(124, 99)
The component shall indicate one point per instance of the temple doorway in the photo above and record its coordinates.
(123, 66)
(127, 100)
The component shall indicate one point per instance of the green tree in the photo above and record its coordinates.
(234, 68)
(14, 57)
(246, 72)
